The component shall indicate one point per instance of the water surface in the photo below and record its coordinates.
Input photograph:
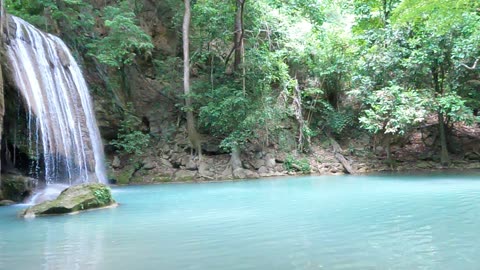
(368, 222)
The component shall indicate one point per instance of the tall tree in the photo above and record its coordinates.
(193, 135)
(373, 14)
(442, 25)
(238, 34)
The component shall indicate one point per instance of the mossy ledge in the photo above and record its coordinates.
(73, 200)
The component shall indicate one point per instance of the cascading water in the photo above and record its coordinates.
(61, 123)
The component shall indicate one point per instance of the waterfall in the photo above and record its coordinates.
(61, 124)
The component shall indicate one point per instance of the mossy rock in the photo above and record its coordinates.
(162, 179)
(74, 199)
(16, 187)
(424, 165)
(123, 177)
(185, 175)
(6, 203)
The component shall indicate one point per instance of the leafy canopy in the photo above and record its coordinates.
(125, 39)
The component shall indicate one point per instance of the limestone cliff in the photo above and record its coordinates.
(154, 100)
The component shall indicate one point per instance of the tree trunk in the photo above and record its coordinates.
(388, 150)
(386, 12)
(238, 34)
(337, 151)
(193, 136)
(297, 105)
(444, 159)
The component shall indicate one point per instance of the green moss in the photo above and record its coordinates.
(186, 179)
(136, 179)
(293, 163)
(15, 187)
(161, 179)
(123, 178)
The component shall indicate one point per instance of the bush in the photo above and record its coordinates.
(293, 164)
(130, 139)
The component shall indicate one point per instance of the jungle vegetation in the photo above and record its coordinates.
(317, 67)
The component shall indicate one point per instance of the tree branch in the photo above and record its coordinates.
(472, 67)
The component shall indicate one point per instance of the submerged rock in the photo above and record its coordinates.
(74, 199)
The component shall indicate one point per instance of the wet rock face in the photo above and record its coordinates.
(63, 57)
(74, 199)
(16, 187)
(2, 102)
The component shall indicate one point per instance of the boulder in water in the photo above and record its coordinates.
(16, 187)
(72, 200)
(6, 203)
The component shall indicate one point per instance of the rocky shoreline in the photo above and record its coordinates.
(180, 168)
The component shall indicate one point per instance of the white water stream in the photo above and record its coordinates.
(61, 123)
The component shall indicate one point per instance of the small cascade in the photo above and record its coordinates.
(62, 129)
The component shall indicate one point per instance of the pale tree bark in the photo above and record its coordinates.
(472, 67)
(193, 135)
(297, 105)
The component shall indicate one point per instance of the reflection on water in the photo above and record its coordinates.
(375, 222)
(52, 243)
(80, 249)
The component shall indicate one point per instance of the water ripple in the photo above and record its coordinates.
(309, 223)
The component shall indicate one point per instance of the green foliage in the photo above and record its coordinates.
(285, 140)
(441, 15)
(394, 111)
(103, 195)
(232, 116)
(292, 163)
(373, 14)
(311, 9)
(453, 106)
(335, 121)
(383, 65)
(125, 39)
(228, 105)
(418, 53)
(131, 140)
(73, 17)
